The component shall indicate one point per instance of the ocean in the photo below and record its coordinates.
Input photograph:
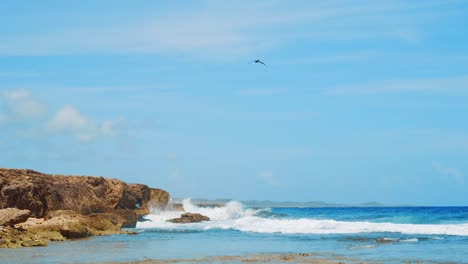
(373, 234)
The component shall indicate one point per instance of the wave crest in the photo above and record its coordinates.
(234, 216)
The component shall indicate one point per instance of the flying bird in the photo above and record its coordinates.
(258, 61)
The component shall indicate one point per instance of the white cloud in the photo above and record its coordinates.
(28, 116)
(19, 105)
(112, 127)
(69, 120)
(449, 172)
(17, 94)
(268, 177)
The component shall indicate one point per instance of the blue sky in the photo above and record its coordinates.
(361, 100)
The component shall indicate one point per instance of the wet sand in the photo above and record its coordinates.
(257, 258)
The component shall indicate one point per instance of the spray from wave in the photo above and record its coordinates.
(234, 216)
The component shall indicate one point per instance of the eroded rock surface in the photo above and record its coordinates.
(74, 225)
(64, 207)
(11, 238)
(189, 218)
(13, 216)
(58, 226)
(41, 193)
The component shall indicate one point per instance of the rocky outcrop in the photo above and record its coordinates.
(60, 207)
(11, 238)
(13, 216)
(128, 218)
(189, 218)
(70, 224)
(41, 193)
(58, 226)
(158, 199)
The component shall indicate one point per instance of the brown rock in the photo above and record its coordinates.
(62, 224)
(13, 238)
(383, 240)
(39, 227)
(69, 206)
(41, 193)
(60, 213)
(74, 229)
(34, 243)
(158, 199)
(13, 216)
(177, 207)
(56, 224)
(102, 224)
(190, 218)
(128, 218)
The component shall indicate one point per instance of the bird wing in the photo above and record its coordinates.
(262, 63)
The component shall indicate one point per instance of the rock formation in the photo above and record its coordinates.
(70, 224)
(68, 206)
(186, 218)
(41, 193)
(11, 237)
(13, 216)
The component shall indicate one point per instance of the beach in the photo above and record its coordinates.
(238, 233)
(66, 219)
(312, 258)
(205, 131)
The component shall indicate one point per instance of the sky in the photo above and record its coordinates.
(360, 100)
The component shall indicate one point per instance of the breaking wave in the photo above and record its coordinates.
(235, 217)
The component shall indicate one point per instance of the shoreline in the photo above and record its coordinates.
(312, 258)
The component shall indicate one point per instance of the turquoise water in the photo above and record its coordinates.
(387, 234)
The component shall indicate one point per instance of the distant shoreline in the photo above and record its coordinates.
(290, 204)
(177, 202)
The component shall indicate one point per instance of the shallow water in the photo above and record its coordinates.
(377, 234)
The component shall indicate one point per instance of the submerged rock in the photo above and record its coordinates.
(189, 218)
(13, 216)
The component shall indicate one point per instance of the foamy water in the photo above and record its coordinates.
(375, 235)
(236, 217)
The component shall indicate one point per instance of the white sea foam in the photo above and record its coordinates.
(234, 216)
(410, 240)
(389, 239)
(362, 247)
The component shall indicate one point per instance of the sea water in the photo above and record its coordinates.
(383, 234)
